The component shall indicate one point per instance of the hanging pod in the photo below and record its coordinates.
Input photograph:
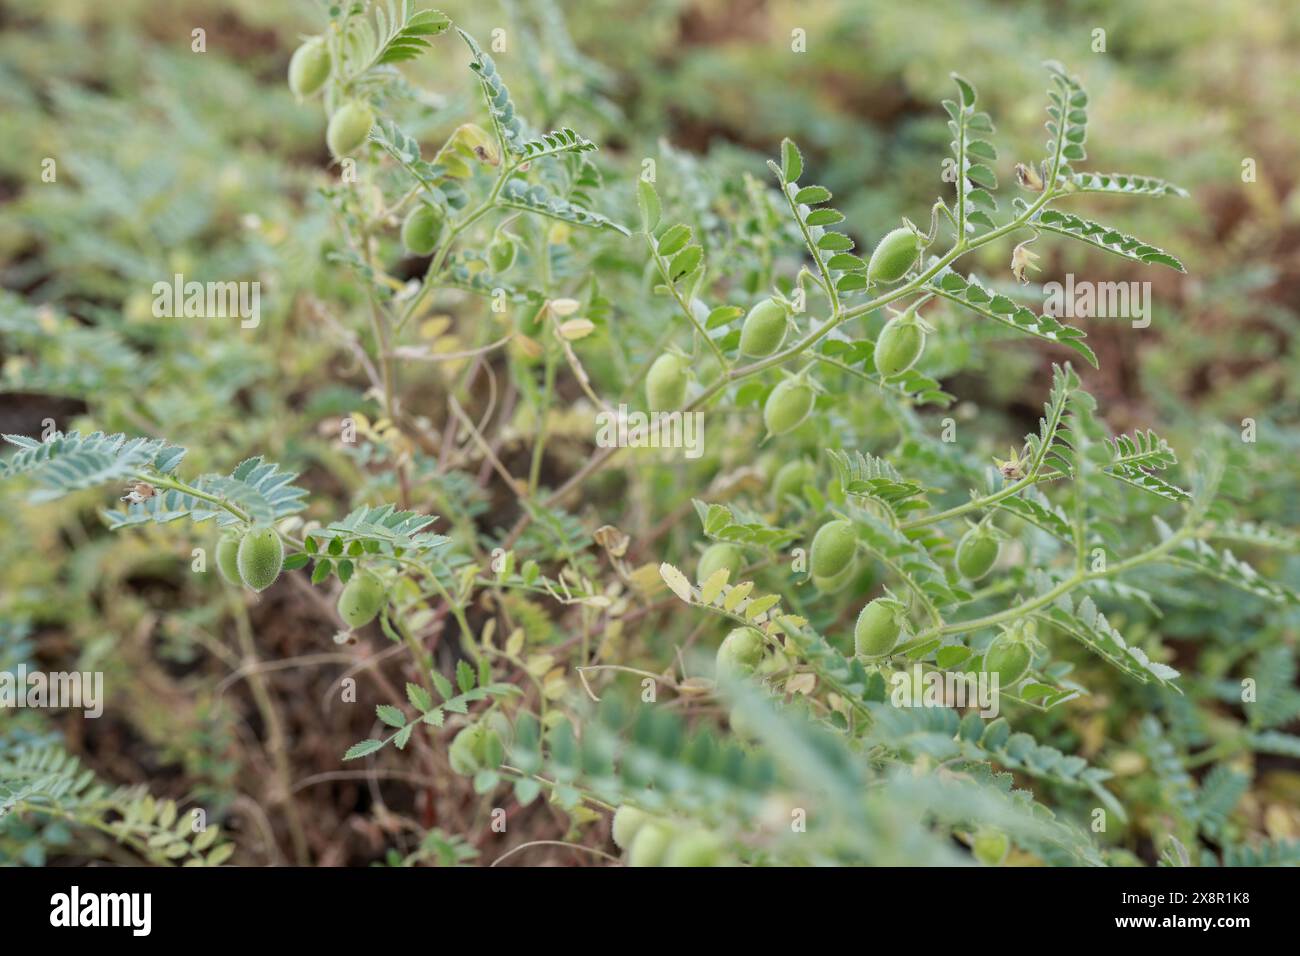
(627, 821)
(501, 254)
(228, 558)
(421, 229)
(740, 653)
(877, 628)
(349, 127)
(764, 329)
(833, 547)
(260, 558)
(790, 479)
(309, 68)
(665, 383)
(900, 343)
(894, 255)
(1010, 654)
(362, 599)
(788, 405)
(976, 552)
(650, 844)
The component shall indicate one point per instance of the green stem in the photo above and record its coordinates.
(682, 303)
(960, 248)
(174, 484)
(601, 458)
(989, 620)
(543, 411)
(419, 653)
(456, 611)
(1073, 581)
(831, 293)
(972, 505)
(435, 265)
(467, 635)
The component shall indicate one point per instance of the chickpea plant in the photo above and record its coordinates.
(791, 745)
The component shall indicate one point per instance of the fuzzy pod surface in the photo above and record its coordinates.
(421, 229)
(1009, 658)
(628, 821)
(665, 384)
(790, 479)
(787, 406)
(976, 553)
(764, 329)
(893, 256)
(309, 68)
(260, 558)
(834, 583)
(876, 630)
(501, 255)
(228, 558)
(694, 848)
(833, 547)
(740, 652)
(349, 127)
(650, 844)
(898, 346)
(362, 599)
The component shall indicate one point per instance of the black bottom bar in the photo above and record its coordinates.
(368, 905)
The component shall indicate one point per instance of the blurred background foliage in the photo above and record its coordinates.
(173, 161)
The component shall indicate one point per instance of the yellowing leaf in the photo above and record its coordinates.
(711, 588)
(539, 664)
(761, 605)
(736, 595)
(467, 142)
(554, 685)
(676, 581)
(515, 642)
